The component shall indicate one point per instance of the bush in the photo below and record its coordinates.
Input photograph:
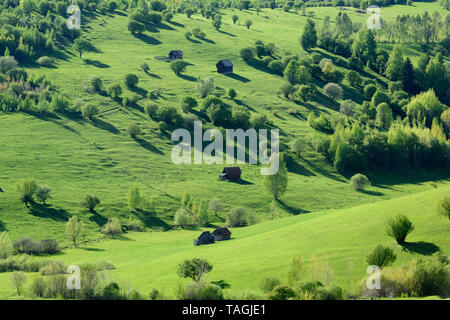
(239, 217)
(7, 63)
(287, 89)
(201, 291)
(369, 91)
(276, 66)
(59, 103)
(232, 94)
(444, 207)
(162, 126)
(258, 121)
(145, 67)
(28, 246)
(133, 130)
(96, 83)
(105, 265)
(90, 202)
(359, 182)
(188, 103)
(131, 80)
(268, 284)
(49, 246)
(114, 91)
(167, 114)
(182, 218)
(151, 110)
(281, 292)
(45, 61)
(381, 256)
(6, 246)
(247, 54)
(89, 111)
(52, 268)
(38, 287)
(178, 66)
(111, 292)
(333, 91)
(112, 228)
(154, 294)
(399, 228)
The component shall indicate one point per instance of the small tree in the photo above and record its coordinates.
(203, 213)
(381, 256)
(89, 111)
(134, 198)
(135, 27)
(114, 91)
(239, 217)
(333, 91)
(217, 22)
(131, 80)
(178, 66)
(276, 183)
(248, 23)
(6, 246)
(399, 228)
(215, 205)
(297, 146)
(246, 54)
(235, 18)
(18, 279)
(444, 207)
(188, 103)
(145, 67)
(74, 230)
(96, 83)
(194, 269)
(44, 193)
(112, 228)
(359, 182)
(232, 94)
(81, 45)
(189, 13)
(134, 130)
(27, 189)
(90, 202)
(205, 86)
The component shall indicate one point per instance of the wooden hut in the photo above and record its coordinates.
(175, 54)
(205, 238)
(224, 66)
(230, 174)
(221, 234)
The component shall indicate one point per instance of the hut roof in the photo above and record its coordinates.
(224, 232)
(226, 63)
(232, 170)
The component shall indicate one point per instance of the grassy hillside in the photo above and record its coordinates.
(76, 157)
(338, 239)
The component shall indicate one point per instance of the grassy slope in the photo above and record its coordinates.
(342, 237)
(76, 157)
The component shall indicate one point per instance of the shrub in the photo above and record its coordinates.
(239, 217)
(6, 246)
(105, 265)
(57, 286)
(111, 292)
(38, 287)
(333, 91)
(248, 23)
(381, 256)
(287, 89)
(90, 202)
(188, 103)
(268, 284)
(247, 54)
(7, 63)
(151, 110)
(112, 228)
(49, 246)
(154, 294)
(399, 228)
(162, 126)
(27, 189)
(359, 182)
(258, 121)
(347, 108)
(18, 279)
(59, 103)
(178, 66)
(145, 67)
(44, 193)
(134, 224)
(45, 61)
(431, 276)
(276, 66)
(89, 111)
(52, 268)
(182, 218)
(232, 94)
(369, 91)
(281, 292)
(96, 83)
(134, 130)
(167, 114)
(200, 291)
(444, 207)
(135, 295)
(27, 245)
(188, 35)
(114, 91)
(131, 80)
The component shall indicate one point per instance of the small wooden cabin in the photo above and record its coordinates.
(231, 174)
(205, 238)
(224, 66)
(175, 54)
(221, 234)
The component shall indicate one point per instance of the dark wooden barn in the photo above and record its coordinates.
(230, 174)
(205, 238)
(224, 66)
(175, 54)
(221, 234)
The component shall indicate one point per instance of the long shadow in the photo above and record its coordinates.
(421, 247)
(154, 223)
(193, 40)
(2, 226)
(237, 77)
(140, 91)
(241, 181)
(148, 146)
(209, 41)
(291, 209)
(227, 33)
(177, 24)
(47, 212)
(242, 103)
(92, 249)
(372, 193)
(98, 219)
(164, 26)
(323, 172)
(188, 78)
(294, 167)
(98, 123)
(153, 75)
(96, 63)
(147, 39)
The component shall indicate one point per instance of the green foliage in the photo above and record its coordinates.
(281, 292)
(200, 291)
(18, 279)
(205, 86)
(276, 184)
(178, 66)
(384, 116)
(6, 247)
(27, 189)
(309, 36)
(359, 182)
(96, 83)
(133, 130)
(188, 103)
(90, 202)
(112, 228)
(381, 256)
(399, 228)
(194, 269)
(44, 193)
(81, 45)
(75, 230)
(247, 54)
(248, 23)
(239, 217)
(268, 284)
(444, 207)
(89, 110)
(131, 80)
(333, 91)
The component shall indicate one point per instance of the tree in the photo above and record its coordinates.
(248, 23)
(444, 207)
(381, 256)
(114, 91)
(333, 91)
(27, 189)
(131, 80)
(408, 78)
(399, 228)
(89, 110)
(18, 279)
(189, 13)
(112, 228)
(81, 45)
(246, 54)
(203, 213)
(74, 230)
(215, 205)
(308, 39)
(232, 94)
(217, 22)
(276, 184)
(359, 182)
(384, 116)
(7, 63)
(134, 198)
(395, 64)
(239, 217)
(353, 78)
(304, 93)
(194, 269)
(178, 66)
(6, 246)
(44, 193)
(291, 73)
(435, 76)
(298, 146)
(133, 130)
(188, 103)
(90, 202)
(205, 86)
(235, 18)
(135, 27)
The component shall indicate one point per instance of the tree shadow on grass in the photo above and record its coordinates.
(188, 78)
(2, 226)
(294, 167)
(147, 39)
(177, 24)
(421, 247)
(47, 212)
(372, 193)
(153, 222)
(209, 41)
(98, 123)
(237, 77)
(148, 146)
(96, 63)
(98, 219)
(227, 33)
(291, 209)
(140, 91)
(153, 75)
(193, 40)
(241, 181)
(92, 249)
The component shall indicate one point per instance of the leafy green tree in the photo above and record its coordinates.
(359, 182)
(291, 73)
(425, 105)
(133, 130)
(435, 76)
(134, 198)
(90, 202)
(217, 22)
(395, 65)
(203, 213)
(364, 46)
(81, 45)
(247, 54)
(6, 246)
(408, 79)
(145, 67)
(381, 256)
(74, 230)
(188, 103)
(18, 280)
(114, 91)
(276, 184)
(135, 27)
(353, 78)
(248, 23)
(131, 80)
(399, 227)
(308, 38)
(305, 93)
(89, 110)
(112, 228)
(194, 269)
(444, 207)
(333, 91)
(235, 18)
(27, 189)
(215, 205)
(44, 193)
(232, 94)
(384, 116)
(178, 66)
